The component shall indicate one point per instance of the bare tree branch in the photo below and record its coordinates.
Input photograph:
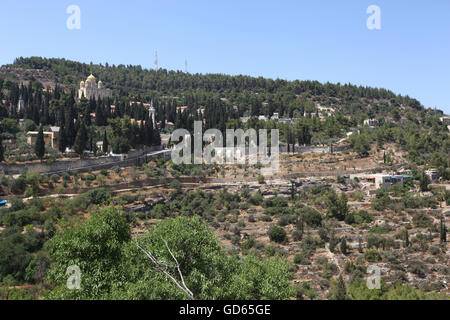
(163, 267)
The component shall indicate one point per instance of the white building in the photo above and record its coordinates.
(276, 116)
(445, 120)
(90, 89)
(371, 123)
(433, 174)
(380, 180)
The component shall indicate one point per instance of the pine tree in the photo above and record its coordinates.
(39, 147)
(105, 143)
(81, 140)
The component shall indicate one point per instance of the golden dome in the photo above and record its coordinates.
(91, 78)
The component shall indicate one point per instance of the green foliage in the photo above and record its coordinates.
(358, 218)
(360, 145)
(337, 206)
(358, 290)
(277, 234)
(81, 140)
(39, 147)
(372, 255)
(113, 267)
(97, 247)
(16, 251)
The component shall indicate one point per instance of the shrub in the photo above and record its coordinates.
(261, 179)
(99, 196)
(277, 234)
(299, 258)
(372, 255)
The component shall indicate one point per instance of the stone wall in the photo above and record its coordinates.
(78, 165)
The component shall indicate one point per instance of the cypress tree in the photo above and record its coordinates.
(105, 143)
(100, 115)
(443, 231)
(156, 141)
(81, 140)
(39, 147)
(62, 143)
(344, 246)
(341, 290)
(70, 131)
(406, 238)
(2, 152)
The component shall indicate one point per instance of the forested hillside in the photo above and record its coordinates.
(252, 95)
(219, 100)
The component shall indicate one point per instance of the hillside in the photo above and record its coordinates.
(253, 96)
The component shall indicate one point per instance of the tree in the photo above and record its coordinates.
(81, 140)
(406, 238)
(156, 137)
(344, 246)
(96, 247)
(62, 143)
(2, 151)
(360, 145)
(277, 234)
(424, 181)
(337, 206)
(114, 267)
(443, 232)
(360, 248)
(39, 147)
(105, 143)
(100, 119)
(338, 290)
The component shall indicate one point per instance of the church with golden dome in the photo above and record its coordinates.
(91, 89)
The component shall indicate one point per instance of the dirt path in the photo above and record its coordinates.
(332, 256)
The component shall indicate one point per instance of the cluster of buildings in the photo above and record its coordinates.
(384, 180)
(446, 121)
(51, 138)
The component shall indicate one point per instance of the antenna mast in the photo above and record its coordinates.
(185, 66)
(156, 60)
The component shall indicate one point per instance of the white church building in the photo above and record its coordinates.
(90, 89)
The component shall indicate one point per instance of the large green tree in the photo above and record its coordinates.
(113, 266)
(39, 147)
(81, 140)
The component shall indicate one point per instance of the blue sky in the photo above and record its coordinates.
(324, 40)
